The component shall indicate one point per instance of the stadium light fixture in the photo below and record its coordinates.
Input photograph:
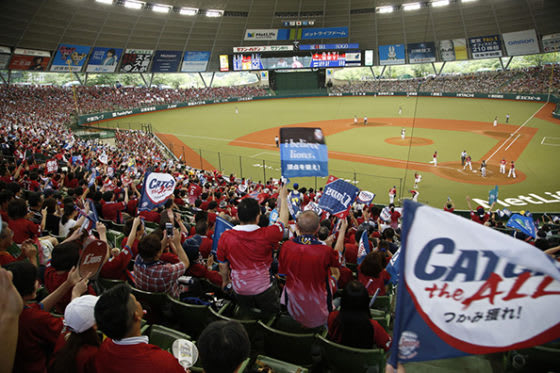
(411, 6)
(110, 2)
(188, 11)
(468, 1)
(384, 9)
(440, 3)
(161, 8)
(214, 13)
(132, 4)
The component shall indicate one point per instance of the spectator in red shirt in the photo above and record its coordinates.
(23, 228)
(118, 315)
(245, 256)
(152, 273)
(480, 216)
(38, 329)
(372, 275)
(116, 267)
(111, 210)
(5, 198)
(352, 326)
(449, 206)
(28, 250)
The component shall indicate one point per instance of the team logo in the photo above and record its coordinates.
(318, 134)
(92, 258)
(408, 343)
(365, 197)
(159, 186)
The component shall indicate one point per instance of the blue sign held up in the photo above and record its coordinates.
(338, 196)
(303, 152)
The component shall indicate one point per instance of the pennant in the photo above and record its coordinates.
(467, 289)
(220, 227)
(156, 189)
(338, 196)
(524, 223)
(363, 246)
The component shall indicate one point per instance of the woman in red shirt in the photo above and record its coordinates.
(352, 326)
(372, 274)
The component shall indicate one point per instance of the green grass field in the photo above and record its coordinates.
(210, 128)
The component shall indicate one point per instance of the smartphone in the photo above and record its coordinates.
(169, 229)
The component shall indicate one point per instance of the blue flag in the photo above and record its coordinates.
(363, 246)
(303, 152)
(468, 289)
(220, 227)
(338, 196)
(493, 195)
(91, 217)
(393, 268)
(157, 188)
(92, 177)
(273, 217)
(294, 203)
(524, 223)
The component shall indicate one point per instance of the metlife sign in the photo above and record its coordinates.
(261, 34)
(521, 42)
(264, 48)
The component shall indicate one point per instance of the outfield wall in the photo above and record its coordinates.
(109, 115)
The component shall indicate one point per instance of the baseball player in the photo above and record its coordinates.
(512, 170)
(434, 159)
(468, 160)
(415, 194)
(503, 166)
(277, 141)
(365, 120)
(403, 133)
(496, 122)
(400, 110)
(355, 119)
(507, 118)
(417, 179)
(392, 194)
(483, 168)
(463, 157)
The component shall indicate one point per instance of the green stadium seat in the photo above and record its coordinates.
(250, 325)
(151, 224)
(342, 359)
(286, 323)
(291, 347)
(118, 227)
(164, 337)
(277, 366)
(545, 358)
(114, 238)
(107, 283)
(189, 318)
(383, 302)
(156, 305)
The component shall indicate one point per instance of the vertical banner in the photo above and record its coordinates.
(391, 54)
(104, 60)
(136, 60)
(368, 58)
(70, 57)
(551, 43)
(488, 46)
(224, 62)
(521, 42)
(303, 152)
(453, 50)
(421, 52)
(166, 61)
(338, 196)
(468, 289)
(5, 55)
(29, 59)
(195, 61)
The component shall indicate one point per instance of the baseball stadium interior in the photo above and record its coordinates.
(168, 201)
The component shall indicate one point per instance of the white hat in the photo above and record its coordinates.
(78, 315)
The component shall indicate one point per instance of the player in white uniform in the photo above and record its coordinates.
(417, 179)
(468, 162)
(392, 194)
(434, 158)
(415, 195)
(483, 168)
(400, 110)
(365, 121)
(403, 133)
(355, 119)
(507, 118)
(496, 122)
(503, 166)
(512, 170)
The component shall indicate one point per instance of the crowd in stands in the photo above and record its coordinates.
(51, 181)
(534, 80)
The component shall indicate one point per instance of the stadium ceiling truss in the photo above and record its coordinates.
(43, 24)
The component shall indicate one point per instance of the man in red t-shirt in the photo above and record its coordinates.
(480, 216)
(118, 315)
(307, 264)
(245, 256)
(111, 210)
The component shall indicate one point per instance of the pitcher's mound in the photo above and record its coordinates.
(414, 141)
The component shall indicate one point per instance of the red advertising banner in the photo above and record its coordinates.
(26, 62)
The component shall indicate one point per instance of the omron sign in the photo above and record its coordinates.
(265, 48)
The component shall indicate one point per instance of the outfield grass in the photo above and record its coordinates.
(212, 127)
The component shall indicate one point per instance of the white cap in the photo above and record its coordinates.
(78, 315)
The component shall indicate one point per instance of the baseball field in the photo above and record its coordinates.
(239, 138)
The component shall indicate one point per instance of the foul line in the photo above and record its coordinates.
(517, 130)
(518, 135)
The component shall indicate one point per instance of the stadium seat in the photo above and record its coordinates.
(151, 224)
(277, 366)
(156, 305)
(108, 223)
(114, 238)
(342, 359)
(107, 283)
(544, 358)
(383, 302)
(284, 322)
(118, 227)
(189, 318)
(250, 325)
(290, 347)
(164, 337)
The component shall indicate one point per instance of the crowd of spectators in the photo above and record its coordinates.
(534, 80)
